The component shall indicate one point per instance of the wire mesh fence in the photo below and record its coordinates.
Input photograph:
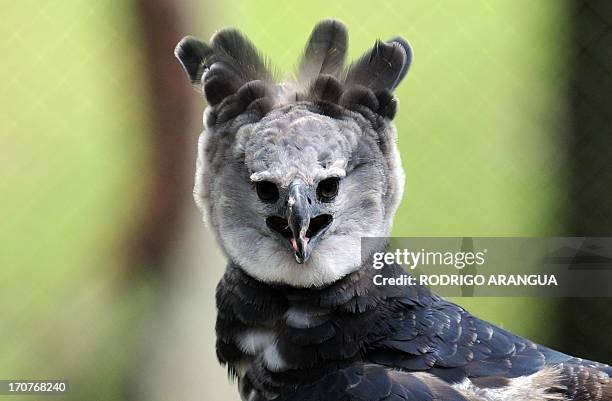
(590, 166)
(504, 129)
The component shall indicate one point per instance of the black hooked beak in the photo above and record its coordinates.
(304, 224)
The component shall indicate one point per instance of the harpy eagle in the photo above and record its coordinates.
(290, 176)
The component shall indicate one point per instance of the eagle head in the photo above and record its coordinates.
(292, 175)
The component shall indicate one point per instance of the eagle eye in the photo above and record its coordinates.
(328, 189)
(267, 191)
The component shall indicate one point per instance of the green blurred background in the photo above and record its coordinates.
(107, 275)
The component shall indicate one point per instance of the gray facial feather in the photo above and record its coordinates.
(290, 143)
(295, 142)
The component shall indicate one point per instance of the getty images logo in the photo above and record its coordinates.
(413, 259)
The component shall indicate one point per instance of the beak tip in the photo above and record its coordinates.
(301, 257)
(300, 251)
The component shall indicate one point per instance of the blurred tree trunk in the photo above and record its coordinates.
(170, 108)
(587, 322)
(175, 357)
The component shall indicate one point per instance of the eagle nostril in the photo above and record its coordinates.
(318, 224)
(280, 225)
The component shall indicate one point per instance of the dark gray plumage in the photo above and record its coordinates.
(290, 176)
(325, 52)
(380, 68)
(352, 341)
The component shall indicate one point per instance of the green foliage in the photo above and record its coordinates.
(480, 123)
